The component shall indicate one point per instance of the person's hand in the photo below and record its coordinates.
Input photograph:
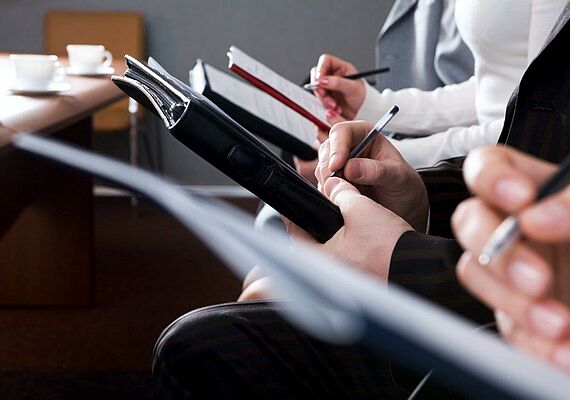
(380, 172)
(306, 169)
(333, 118)
(342, 96)
(528, 286)
(370, 231)
(256, 286)
(366, 241)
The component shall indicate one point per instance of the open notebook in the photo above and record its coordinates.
(290, 94)
(334, 302)
(256, 110)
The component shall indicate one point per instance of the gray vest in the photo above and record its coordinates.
(418, 51)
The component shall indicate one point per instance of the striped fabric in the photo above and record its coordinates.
(248, 351)
(537, 122)
(538, 113)
(425, 264)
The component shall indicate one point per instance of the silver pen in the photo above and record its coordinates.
(508, 231)
(358, 75)
(377, 129)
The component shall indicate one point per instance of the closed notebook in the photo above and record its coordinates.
(255, 110)
(207, 130)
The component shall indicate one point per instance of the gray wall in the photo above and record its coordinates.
(288, 35)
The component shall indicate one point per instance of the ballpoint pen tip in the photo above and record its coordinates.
(484, 259)
(311, 86)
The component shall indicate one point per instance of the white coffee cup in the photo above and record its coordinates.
(36, 72)
(86, 58)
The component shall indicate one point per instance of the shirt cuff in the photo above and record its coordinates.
(373, 106)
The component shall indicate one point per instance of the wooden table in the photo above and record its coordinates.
(46, 211)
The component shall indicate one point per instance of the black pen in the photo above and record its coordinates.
(358, 75)
(377, 129)
(508, 232)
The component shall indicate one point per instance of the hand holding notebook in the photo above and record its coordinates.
(203, 127)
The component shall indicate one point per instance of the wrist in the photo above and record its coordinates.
(380, 259)
(372, 105)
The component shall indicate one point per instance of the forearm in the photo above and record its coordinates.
(458, 141)
(425, 265)
(423, 112)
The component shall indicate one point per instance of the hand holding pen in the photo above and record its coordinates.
(509, 230)
(340, 96)
(380, 171)
(528, 282)
(369, 138)
(358, 75)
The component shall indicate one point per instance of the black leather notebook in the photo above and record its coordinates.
(255, 110)
(207, 130)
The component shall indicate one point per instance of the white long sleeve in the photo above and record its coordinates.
(544, 14)
(423, 112)
(455, 142)
(504, 37)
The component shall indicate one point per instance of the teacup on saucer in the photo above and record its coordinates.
(101, 71)
(34, 72)
(54, 88)
(87, 59)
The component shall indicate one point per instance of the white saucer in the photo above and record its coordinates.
(54, 88)
(102, 71)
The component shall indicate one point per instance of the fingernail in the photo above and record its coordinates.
(561, 356)
(504, 321)
(355, 171)
(527, 277)
(323, 81)
(549, 319)
(512, 192)
(330, 185)
(331, 114)
(331, 103)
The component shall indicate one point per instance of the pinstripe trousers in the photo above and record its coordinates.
(246, 350)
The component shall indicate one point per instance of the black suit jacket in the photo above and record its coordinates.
(537, 122)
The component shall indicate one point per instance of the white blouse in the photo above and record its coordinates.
(504, 36)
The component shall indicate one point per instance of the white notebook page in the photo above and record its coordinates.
(256, 102)
(290, 90)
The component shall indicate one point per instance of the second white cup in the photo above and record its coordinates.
(84, 58)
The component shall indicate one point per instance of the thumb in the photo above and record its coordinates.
(387, 174)
(340, 192)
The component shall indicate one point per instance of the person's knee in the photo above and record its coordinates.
(196, 343)
(181, 350)
(185, 336)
